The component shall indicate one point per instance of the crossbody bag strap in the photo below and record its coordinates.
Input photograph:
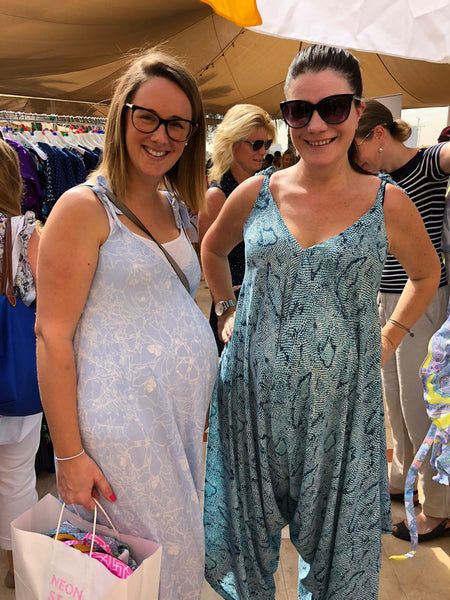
(127, 212)
(7, 288)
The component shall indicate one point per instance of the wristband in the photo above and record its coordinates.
(394, 322)
(70, 457)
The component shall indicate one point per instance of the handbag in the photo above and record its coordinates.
(47, 569)
(19, 390)
(128, 213)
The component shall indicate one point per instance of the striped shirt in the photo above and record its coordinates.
(425, 183)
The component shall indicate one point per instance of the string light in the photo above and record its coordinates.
(221, 54)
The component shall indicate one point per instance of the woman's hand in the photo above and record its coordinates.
(225, 325)
(79, 480)
(387, 349)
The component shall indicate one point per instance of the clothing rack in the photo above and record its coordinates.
(56, 153)
(13, 116)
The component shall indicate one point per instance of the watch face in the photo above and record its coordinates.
(223, 305)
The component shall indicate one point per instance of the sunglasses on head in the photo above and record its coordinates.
(332, 109)
(367, 136)
(258, 144)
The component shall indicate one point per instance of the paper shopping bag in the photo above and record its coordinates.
(47, 569)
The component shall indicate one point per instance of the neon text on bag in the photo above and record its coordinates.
(70, 590)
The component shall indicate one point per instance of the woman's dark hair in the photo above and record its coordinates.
(444, 136)
(319, 57)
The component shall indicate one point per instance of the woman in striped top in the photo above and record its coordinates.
(423, 174)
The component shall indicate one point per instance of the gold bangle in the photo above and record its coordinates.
(394, 322)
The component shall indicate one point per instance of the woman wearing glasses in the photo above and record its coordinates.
(296, 434)
(126, 359)
(423, 174)
(240, 144)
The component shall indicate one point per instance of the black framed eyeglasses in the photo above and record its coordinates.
(148, 121)
(332, 109)
(258, 144)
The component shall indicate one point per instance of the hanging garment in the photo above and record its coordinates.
(33, 195)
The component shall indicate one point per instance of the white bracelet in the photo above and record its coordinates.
(70, 457)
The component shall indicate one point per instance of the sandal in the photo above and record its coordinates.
(9, 580)
(402, 532)
(400, 497)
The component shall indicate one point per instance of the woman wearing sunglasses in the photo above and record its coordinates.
(423, 174)
(126, 359)
(296, 433)
(240, 144)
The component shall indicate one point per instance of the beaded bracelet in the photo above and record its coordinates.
(394, 322)
(70, 457)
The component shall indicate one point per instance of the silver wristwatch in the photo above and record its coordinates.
(223, 305)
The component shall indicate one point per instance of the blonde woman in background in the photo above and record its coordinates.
(19, 436)
(240, 144)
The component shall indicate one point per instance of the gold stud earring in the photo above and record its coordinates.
(380, 149)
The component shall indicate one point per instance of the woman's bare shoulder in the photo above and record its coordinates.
(251, 186)
(395, 199)
(242, 199)
(78, 209)
(77, 201)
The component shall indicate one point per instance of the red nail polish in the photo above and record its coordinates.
(113, 498)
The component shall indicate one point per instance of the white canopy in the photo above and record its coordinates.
(406, 28)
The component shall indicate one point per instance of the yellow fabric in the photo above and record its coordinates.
(243, 13)
(402, 556)
(433, 397)
(443, 422)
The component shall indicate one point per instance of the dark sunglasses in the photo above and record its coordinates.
(332, 109)
(258, 144)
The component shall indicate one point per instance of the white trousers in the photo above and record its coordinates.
(404, 398)
(17, 479)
